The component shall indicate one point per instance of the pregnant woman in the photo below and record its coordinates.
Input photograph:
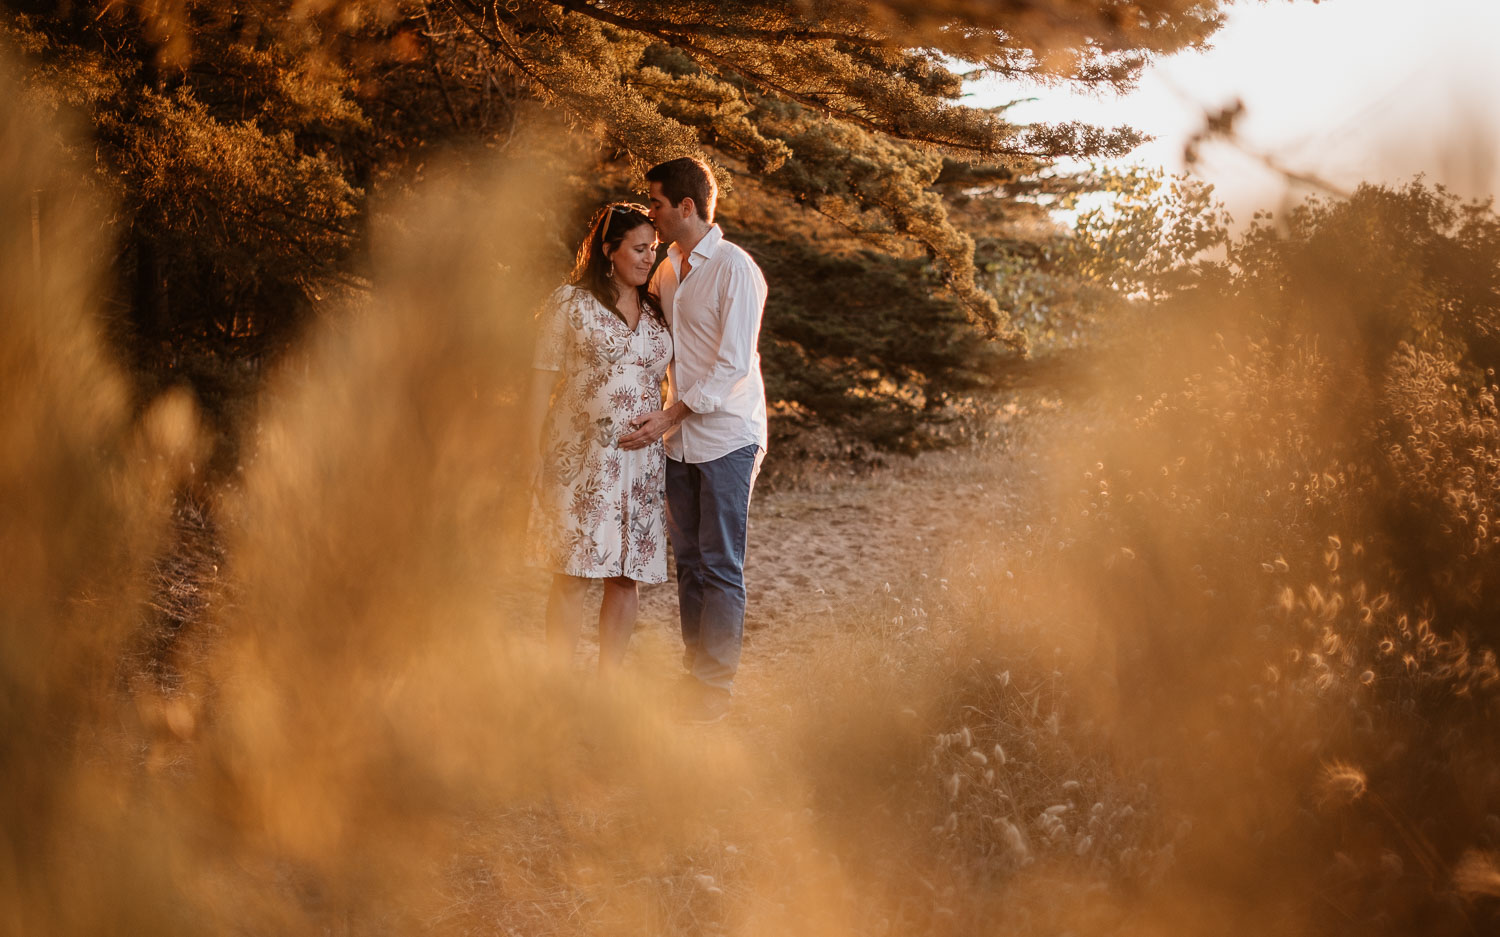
(598, 511)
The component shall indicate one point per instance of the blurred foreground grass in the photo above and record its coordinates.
(1223, 667)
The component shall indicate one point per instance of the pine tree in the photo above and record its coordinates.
(847, 108)
(243, 141)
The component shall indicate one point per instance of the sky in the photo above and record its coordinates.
(1344, 90)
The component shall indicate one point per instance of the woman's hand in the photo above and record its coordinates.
(654, 425)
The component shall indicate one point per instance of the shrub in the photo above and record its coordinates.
(1284, 532)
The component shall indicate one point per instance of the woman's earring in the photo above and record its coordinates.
(611, 268)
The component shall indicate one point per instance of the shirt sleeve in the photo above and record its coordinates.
(742, 301)
(552, 331)
(657, 285)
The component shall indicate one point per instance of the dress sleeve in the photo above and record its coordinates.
(552, 331)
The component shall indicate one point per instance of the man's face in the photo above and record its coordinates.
(667, 219)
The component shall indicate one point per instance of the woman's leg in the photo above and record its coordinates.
(564, 616)
(616, 622)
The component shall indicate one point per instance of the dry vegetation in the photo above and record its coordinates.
(1220, 666)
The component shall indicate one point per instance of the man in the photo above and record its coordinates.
(713, 295)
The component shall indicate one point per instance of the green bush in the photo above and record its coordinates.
(867, 343)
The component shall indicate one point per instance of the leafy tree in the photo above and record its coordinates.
(243, 141)
(846, 108)
(1415, 264)
(1142, 236)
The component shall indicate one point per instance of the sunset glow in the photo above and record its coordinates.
(1344, 90)
(616, 468)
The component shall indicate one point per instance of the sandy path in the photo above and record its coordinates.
(814, 551)
(817, 549)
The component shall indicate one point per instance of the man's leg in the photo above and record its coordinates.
(682, 528)
(724, 507)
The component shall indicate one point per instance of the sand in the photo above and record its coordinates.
(818, 549)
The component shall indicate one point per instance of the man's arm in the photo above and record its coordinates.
(743, 302)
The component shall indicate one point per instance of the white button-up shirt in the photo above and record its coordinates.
(714, 315)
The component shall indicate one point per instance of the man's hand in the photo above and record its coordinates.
(652, 426)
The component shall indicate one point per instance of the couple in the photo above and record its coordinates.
(619, 468)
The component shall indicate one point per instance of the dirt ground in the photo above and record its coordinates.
(820, 546)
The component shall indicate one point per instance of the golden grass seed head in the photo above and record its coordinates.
(1341, 783)
(1478, 873)
(1391, 866)
(1287, 598)
(1014, 840)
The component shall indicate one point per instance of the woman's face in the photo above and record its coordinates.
(635, 255)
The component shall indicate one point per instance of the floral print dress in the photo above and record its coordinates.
(598, 510)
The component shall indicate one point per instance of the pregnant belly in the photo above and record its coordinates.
(615, 417)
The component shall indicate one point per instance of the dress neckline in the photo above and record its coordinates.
(640, 314)
(611, 314)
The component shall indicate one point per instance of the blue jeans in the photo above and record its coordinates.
(708, 507)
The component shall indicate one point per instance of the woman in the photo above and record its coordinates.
(598, 511)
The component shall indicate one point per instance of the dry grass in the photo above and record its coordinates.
(1176, 684)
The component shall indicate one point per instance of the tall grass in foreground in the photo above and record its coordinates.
(1205, 689)
(354, 738)
(1281, 531)
(85, 479)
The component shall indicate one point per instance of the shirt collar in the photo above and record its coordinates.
(706, 247)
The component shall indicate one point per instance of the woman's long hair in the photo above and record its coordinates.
(591, 270)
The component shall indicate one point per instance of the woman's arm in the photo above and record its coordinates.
(538, 399)
(546, 368)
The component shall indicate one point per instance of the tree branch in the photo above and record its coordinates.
(659, 27)
(497, 43)
(665, 33)
(765, 82)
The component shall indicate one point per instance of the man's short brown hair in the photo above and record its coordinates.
(686, 177)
